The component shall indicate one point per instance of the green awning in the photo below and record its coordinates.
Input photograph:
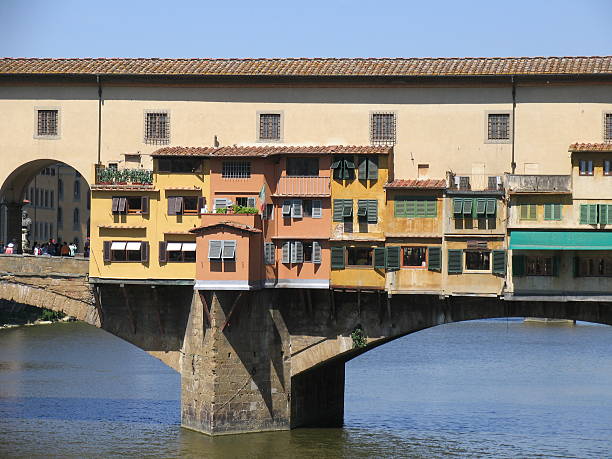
(561, 240)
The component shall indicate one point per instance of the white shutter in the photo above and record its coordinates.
(220, 203)
(297, 252)
(317, 211)
(214, 249)
(296, 208)
(316, 252)
(117, 245)
(189, 247)
(286, 252)
(173, 247)
(132, 246)
(251, 202)
(286, 208)
(269, 253)
(229, 250)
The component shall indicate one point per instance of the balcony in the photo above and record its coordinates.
(558, 184)
(303, 186)
(112, 176)
(474, 182)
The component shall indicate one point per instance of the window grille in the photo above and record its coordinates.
(47, 122)
(499, 126)
(269, 126)
(157, 128)
(608, 127)
(382, 128)
(236, 169)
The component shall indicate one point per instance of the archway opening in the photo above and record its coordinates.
(44, 209)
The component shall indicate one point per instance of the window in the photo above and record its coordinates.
(157, 128)
(414, 256)
(367, 210)
(60, 189)
(269, 126)
(312, 208)
(130, 205)
(178, 252)
(552, 211)
(382, 128)
(607, 170)
(607, 127)
(539, 265)
(246, 202)
(343, 167)
(368, 167)
(269, 215)
(179, 165)
(477, 260)
(528, 211)
(222, 250)
(219, 203)
(77, 189)
(594, 266)
(134, 251)
(295, 252)
(300, 208)
(415, 207)
(498, 126)
(585, 167)
(47, 123)
(423, 171)
(46, 200)
(588, 214)
(60, 217)
(359, 256)
(76, 218)
(52, 199)
(184, 205)
(269, 253)
(236, 169)
(299, 167)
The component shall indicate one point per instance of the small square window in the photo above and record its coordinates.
(157, 128)
(269, 126)
(585, 167)
(47, 122)
(498, 126)
(382, 128)
(236, 169)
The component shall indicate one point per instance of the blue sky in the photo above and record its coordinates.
(271, 28)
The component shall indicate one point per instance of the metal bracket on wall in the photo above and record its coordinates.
(232, 309)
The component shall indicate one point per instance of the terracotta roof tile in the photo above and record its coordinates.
(229, 223)
(590, 147)
(265, 151)
(417, 184)
(319, 67)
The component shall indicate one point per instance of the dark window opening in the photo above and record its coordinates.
(359, 256)
(539, 266)
(180, 165)
(478, 260)
(302, 167)
(415, 256)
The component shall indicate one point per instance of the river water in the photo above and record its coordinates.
(474, 389)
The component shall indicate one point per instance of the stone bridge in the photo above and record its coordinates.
(256, 361)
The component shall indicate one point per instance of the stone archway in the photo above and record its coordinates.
(45, 206)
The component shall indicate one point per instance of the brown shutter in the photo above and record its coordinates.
(144, 252)
(163, 255)
(122, 204)
(201, 203)
(115, 207)
(171, 205)
(144, 204)
(107, 250)
(178, 205)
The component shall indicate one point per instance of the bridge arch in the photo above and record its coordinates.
(19, 192)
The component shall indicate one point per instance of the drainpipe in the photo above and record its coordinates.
(513, 163)
(99, 117)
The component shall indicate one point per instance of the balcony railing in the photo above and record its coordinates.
(112, 176)
(539, 183)
(303, 186)
(475, 182)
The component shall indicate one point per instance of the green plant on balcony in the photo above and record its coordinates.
(143, 176)
(244, 209)
(221, 210)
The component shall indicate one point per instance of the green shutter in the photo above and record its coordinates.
(349, 170)
(528, 212)
(338, 209)
(592, 214)
(432, 208)
(435, 259)
(533, 212)
(605, 214)
(411, 208)
(380, 258)
(524, 212)
(499, 262)
(372, 167)
(420, 210)
(362, 208)
(400, 207)
(518, 265)
(556, 265)
(467, 206)
(348, 208)
(457, 206)
(481, 206)
(393, 258)
(548, 211)
(557, 211)
(455, 261)
(491, 207)
(372, 211)
(584, 214)
(363, 167)
(337, 257)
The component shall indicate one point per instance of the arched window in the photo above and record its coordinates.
(76, 218)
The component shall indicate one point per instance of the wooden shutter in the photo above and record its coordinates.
(518, 265)
(524, 212)
(229, 250)
(363, 167)
(455, 261)
(362, 208)
(499, 262)
(420, 210)
(435, 259)
(316, 252)
(171, 205)
(317, 211)
(467, 206)
(380, 258)
(393, 258)
(163, 255)
(592, 214)
(286, 208)
(201, 204)
(548, 211)
(533, 211)
(431, 210)
(349, 169)
(251, 202)
(557, 211)
(122, 205)
(337, 257)
(372, 167)
(144, 205)
(399, 207)
(347, 210)
(144, 252)
(296, 208)
(481, 206)
(604, 214)
(410, 208)
(269, 253)
(214, 249)
(297, 252)
(491, 207)
(106, 245)
(372, 211)
(220, 203)
(178, 205)
(338, 209)
(115, 205)
(286, 252)
(457, 206)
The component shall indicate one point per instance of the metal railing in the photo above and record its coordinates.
(475, 182)
(303, 186)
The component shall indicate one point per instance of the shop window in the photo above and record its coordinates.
(359, 256)
(594, 266)
(539, 265)
(477, 260)
(414, 256)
